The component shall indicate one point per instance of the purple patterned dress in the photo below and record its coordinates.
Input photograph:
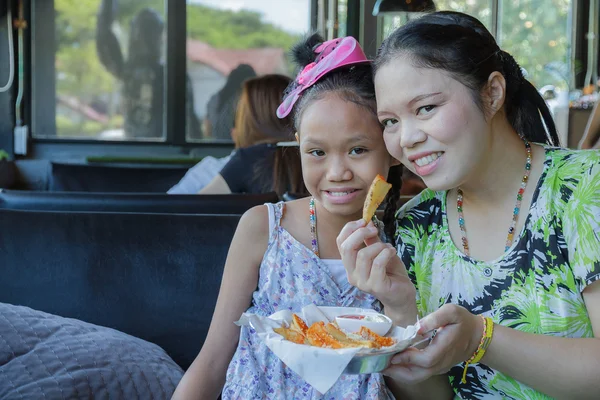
(291, 276)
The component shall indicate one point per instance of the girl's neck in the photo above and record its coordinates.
(334, 222)
(498, 176)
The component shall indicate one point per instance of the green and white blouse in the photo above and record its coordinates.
(535, 286)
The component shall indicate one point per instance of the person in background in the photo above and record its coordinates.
(251, 169)
(591, 135)
(142, 73)
(255, 124)
(501, 254)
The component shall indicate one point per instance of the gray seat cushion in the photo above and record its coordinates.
(43, 356)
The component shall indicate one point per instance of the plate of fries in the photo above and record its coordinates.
(313, 345)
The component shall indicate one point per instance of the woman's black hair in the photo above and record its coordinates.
(354, 84)
(462, 46)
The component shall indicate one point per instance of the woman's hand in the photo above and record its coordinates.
(377, 269)
(458, 335)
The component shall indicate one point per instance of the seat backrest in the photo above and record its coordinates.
(67, 177)
(154, 276)
(132, 202)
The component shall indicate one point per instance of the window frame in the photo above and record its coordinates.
(40, 106)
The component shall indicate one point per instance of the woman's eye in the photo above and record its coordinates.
(358, 150)
(317, 153)
(389, 122)
(425, 110)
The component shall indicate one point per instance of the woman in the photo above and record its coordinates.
(501, 254)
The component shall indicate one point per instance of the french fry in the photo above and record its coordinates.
(368, 334)
(291, 335)
(298, 324)
(318, 336)
(377, 192)
(346, 341)
(330, 335)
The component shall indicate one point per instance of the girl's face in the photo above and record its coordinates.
(431, 123)
(342, 150)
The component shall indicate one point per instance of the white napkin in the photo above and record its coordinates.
(320, 367)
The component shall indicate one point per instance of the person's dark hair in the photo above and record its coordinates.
(462, 46)
(353, 84)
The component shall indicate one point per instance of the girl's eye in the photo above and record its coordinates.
(317, 153)
(425, 109)
(358, 150)
(389, 122)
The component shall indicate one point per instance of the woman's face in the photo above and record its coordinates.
(342, 150)
(431, 122)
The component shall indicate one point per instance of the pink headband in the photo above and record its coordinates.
(333, 54)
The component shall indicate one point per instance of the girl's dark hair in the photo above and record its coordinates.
(354, 84)
(462, 46)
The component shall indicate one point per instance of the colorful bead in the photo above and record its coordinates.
(313, 226)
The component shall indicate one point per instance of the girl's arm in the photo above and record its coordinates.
(206, 376)
(563, 368)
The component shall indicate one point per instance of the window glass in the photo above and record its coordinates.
(536, 33)
(229, 42)
(109, 69)
(480, 9)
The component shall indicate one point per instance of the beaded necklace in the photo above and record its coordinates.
(313, 226)
(511, 230)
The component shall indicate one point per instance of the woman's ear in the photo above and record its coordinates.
(495, 93)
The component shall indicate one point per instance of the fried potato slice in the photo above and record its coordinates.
(291, 335)
(377, 192)
(298, 324)
(368, 334)
(346, 341)
(318, 336)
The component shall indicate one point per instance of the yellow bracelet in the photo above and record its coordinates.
(486, 338)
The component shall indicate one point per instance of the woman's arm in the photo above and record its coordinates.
(217, 186)
(378, 270)
(564, 368)
(206, 376)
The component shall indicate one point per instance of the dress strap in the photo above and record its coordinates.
(275, 214)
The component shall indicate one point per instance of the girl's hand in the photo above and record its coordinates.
(458, 335)
(377, 269)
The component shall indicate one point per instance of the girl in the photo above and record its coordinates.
(280, 257)
(503, 248)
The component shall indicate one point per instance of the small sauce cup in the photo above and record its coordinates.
(378, 323)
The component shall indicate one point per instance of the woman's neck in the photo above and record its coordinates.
(498, 176)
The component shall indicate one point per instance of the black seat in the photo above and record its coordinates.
(154, 276)
(67, 177)
(132, 202)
